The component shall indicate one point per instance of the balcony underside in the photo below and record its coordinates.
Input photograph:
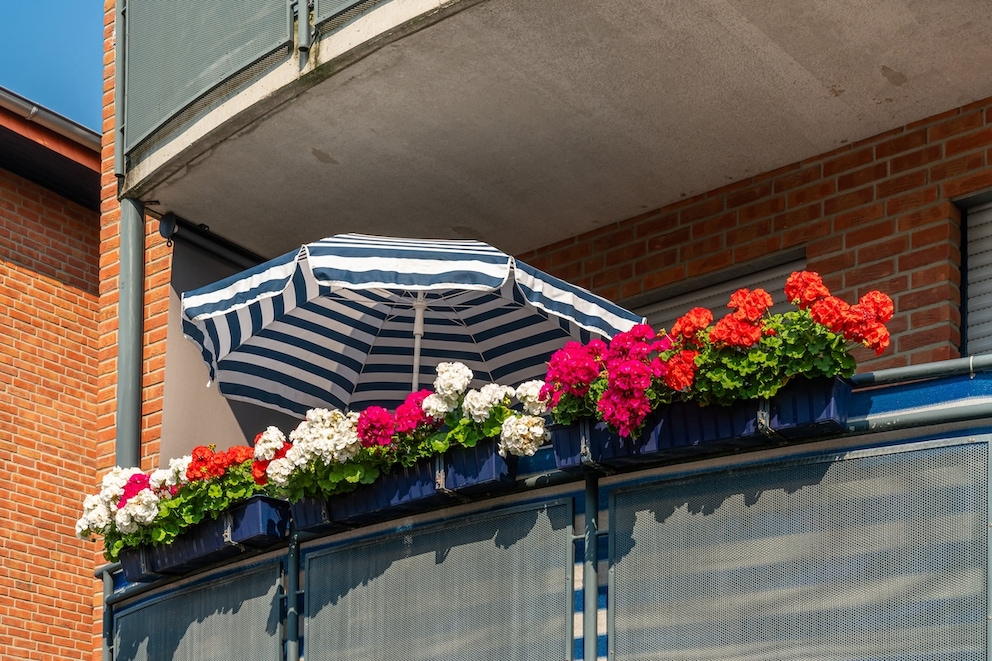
(522, 123)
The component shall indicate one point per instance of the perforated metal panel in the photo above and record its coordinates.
(325, 9)
(177, 51)
(234, 618)
(878, 556)
(485, 588)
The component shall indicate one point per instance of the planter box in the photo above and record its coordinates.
(313, 514)
(401, 491)
(803, 409)
(254, 524)
(572, 444)
(260, 522)
(137, 565)
(478, 470)
(810, 407)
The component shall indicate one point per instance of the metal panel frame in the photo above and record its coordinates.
(229, 573)
(800, 457)
(129, 140)
(434, 525)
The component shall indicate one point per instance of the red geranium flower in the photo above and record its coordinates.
(732, 331)
(750, 305)
(804, 288)
(681, 370)
(688, 325)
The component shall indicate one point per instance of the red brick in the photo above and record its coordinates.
(812, 193)
(929, 215)
(755, 249)
(702, 210)
(957, 166)
(882, 249)
(865, 175)
(848, 161)
(848, 200)
(858, 217)
(967, 185)
(719, 223)
(873, 272)
(748, 195)
(662, 278)
(928, 256)
(908, 201)
(795, 179)
(708, 264)
(901, 143)
(956, 125)
(968, 142)
(901, 184)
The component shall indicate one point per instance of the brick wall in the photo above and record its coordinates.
(879, 214)
(48, 362)
(157, 261)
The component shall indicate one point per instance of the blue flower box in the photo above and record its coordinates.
(804, 408)
(572, 444)
(260, 522)
(402, 491)
(254, 524)
(137, 565)
(478, 470)
(313, 514)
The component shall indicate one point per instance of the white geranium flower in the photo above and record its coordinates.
(479, 404)
(326, 435)
(452, 380)
(112, 486)
(437, 407)
(96, 517)
(280, 470)
(140, 509)
(268, 443)
(529, 394)
(163, 479)
(522, 435)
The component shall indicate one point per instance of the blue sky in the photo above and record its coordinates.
(51, 52)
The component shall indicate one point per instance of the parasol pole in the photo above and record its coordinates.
(418, 333)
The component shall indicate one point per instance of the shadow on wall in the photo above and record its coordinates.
(474, 549)
(193, 412)
(219, 621)
(777, 489)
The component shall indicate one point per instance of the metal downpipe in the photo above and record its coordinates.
(108, 616)
(590, 572)
(292, 600)
(130, 331)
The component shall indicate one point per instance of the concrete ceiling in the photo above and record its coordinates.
(522, 123)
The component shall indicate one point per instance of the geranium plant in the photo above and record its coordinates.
(750, 354)
(471, 415)
(332, 452)
(747, 354)
(322, 456)
(618, 383)
(135, 508)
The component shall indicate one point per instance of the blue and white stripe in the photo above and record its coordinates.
(332, 324)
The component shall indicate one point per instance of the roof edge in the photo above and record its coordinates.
(49, 119)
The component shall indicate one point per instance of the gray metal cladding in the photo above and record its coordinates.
(879, 555)
(205, 44)
(236, 617)
(493, 587)
(325, 9)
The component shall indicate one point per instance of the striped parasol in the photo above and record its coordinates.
(355, 320)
